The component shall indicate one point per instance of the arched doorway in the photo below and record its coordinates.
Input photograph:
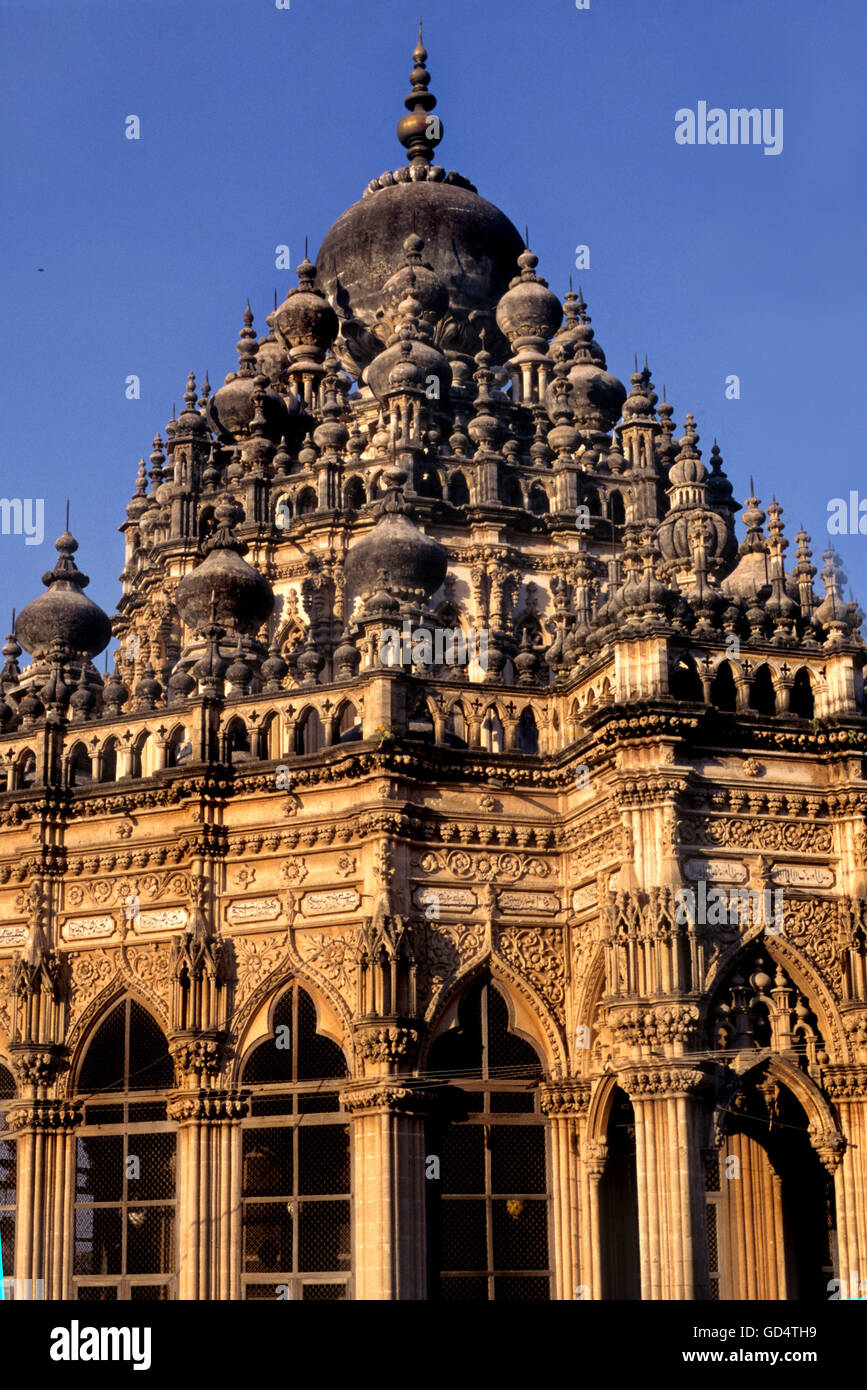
(618, 1206)
(488, 1191)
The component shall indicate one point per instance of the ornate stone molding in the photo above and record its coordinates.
(187, 1107)
(43, 1114)
(571, 1096)
(388, 1097)
(656, 1083)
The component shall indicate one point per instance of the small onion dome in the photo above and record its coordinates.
(115, 693)
(688, 467)
(396, 555)
(55, 691)
(190, 424)
(82, 701)
(138, 503)
(418, 279)
(347, 658)
(596, 396)
(412, 333)
(181, 684)
(148, 690)
(224, 589)
(274, 670)
(7, 713)
(272, 359)
(528, 313)
(305, 319)
(31, 706)
(64, 613)
(642, 398)
(231, 409)
(719, 489)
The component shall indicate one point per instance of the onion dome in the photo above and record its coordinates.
(750, 577)
(272, 359)
(115, 693)
(688, 469)
(239, 675)
(596, 396)
(148, 689)
(274, 671)
(396, 556)
(138, 503)
(688, 494)
(410, 350)
(230, 410)
(190, 424)
(470, 244)
(64, 614)
(224, 589)
(181, 685)
(82, 701)
(347, 658)
(305, 322)
(418, 279)
(564, 438)
(10, 676)
(528, 313)
(666, 448)
(31, 707)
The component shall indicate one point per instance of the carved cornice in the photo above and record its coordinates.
(388, 1097)
(46, 1115)
(649, 1083)
(571, 1096)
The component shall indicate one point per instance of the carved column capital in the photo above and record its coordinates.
(213, 1106)
(46, 1115)
(570, 1096)
(388, 1097)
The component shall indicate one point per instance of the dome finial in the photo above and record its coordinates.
(419, 132)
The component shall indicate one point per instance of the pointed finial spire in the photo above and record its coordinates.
(67, 515)
(419, 132)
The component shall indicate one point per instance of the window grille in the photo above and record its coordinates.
(296, 1170)
(126, 1161)
(489, 1211)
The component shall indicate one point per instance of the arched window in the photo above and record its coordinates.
(801, 701)
(539, 502)
(269, 737)
(206, 523)
(492, 731)
(429, 484)
(510, 492)
(723, 692)
(309, 734)
(528, 733)
(456, 727)
(237, 742)
(179, 747)
(108, 765)
(459, 493)
(590, 500)
(616, 509)
(26, 769)
(489, 1209)
(307, 502)
(348, 723)
(79, 768)
(618, 1205)
(8, 1176)
(141, 756)
(125, 1162)
(420, 722)
(684, 682)
(353, 495)
(763, 698)
(296, 1161)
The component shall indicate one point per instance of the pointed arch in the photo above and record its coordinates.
(616, 508)
(306, 502)
(25, 769)
(79, 768)
(763, 697)
(527, 736)
(430, 483)
(309, 733)
(802, 701)
(684, 682)
(178, 746)
(510, 491)
(353, 494)
(236, 742)
(348, 723)
(493, 736)
(540, 502)
(459, 492)
(723, 690)
(456, 729)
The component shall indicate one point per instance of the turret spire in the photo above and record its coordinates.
(420, 132)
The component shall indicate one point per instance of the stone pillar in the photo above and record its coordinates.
(671, 1200)
(44, 1227)
(388, 1156)
(848, 1087)
(209, 1192)
(565, 1103)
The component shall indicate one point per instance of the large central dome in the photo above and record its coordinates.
(470, 244)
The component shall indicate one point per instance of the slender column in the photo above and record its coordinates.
(208, 1193)
(388, 1152)
(44, 1141)
(671, 1214)
(566, 1103)
(848, 1086)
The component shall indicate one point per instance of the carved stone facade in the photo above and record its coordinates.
(571, 933)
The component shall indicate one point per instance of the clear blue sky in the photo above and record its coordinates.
(259, 125)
